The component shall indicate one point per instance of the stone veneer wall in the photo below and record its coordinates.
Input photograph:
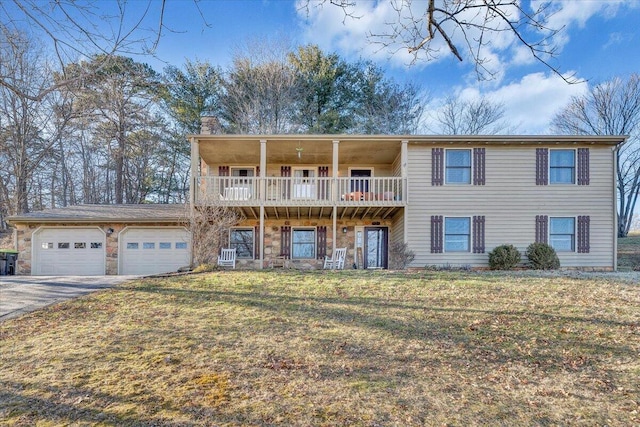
(24, 233)
(272, 242)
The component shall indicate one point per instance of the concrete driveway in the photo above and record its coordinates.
(22, 294)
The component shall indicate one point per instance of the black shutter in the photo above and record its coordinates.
(478, 166)
(256, 243)
(285, 171)
(285, 242)
(437, 166)
(583, 234)
(322, 241)
(323, 185)
(583, 166)
(542, 166)
(436, 234)
(542, 228)
(478, 234)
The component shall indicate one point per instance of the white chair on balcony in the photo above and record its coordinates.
(227, 258)
(336, 261)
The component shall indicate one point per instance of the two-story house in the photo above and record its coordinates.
(450, 199)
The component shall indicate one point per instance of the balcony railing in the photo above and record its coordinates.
(297, 191)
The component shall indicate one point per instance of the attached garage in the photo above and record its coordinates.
(89, 240)
(153, 250)
(68, 251)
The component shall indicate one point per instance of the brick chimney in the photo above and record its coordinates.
(209, 125)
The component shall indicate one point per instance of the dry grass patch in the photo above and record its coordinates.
(316, 348)
(629, 252)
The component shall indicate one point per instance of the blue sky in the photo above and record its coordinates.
(600, 41)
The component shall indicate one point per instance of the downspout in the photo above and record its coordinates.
(614, 172)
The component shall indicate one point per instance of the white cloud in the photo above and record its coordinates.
(530, 103)
(352, 35)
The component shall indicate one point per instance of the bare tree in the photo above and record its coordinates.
(27, 128)
(471, 117)
(209, 226)
(260, 89)
(611, 108)
(79, 29)
(463, 27)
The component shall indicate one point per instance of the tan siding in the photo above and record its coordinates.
(397, 229)
(510, 200)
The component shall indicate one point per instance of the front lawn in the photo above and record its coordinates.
(329, 349)
(629, 252)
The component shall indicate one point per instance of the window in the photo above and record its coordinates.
(241, 239)
(562, 166)
(562, 234)
(165, 245)
(303, 243)
(181, 245)
(64, 245)
(96, 245)
(148, 245)
(80, 245)
(131, 245)
(458, 167)
(456, 234)
(47, 245)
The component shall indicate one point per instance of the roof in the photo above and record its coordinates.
(143, 213)
(359, 149)
(424, 139)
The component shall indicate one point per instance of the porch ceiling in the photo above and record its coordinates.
(344, 213)
(285, 151)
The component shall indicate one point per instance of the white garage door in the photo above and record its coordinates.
(153, 250)
(68, 251)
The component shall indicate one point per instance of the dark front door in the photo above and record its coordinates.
(375, 247)
(359, 180)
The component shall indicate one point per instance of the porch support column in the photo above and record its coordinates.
(194, 173)
(261, 236)
(193, 185)
(334, 193)
(262, 192)
(405, 196)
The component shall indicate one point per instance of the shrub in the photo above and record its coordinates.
(504, 257)
(400, 256)
(542, 256)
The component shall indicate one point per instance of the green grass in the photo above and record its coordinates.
(629, 253)
(329, 349)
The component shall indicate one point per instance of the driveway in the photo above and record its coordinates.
(23, 294)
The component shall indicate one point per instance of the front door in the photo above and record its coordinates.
(375, 247)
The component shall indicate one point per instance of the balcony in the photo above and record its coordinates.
(299, 192)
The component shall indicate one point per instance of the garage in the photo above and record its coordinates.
(145, 250)
(68, 251)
